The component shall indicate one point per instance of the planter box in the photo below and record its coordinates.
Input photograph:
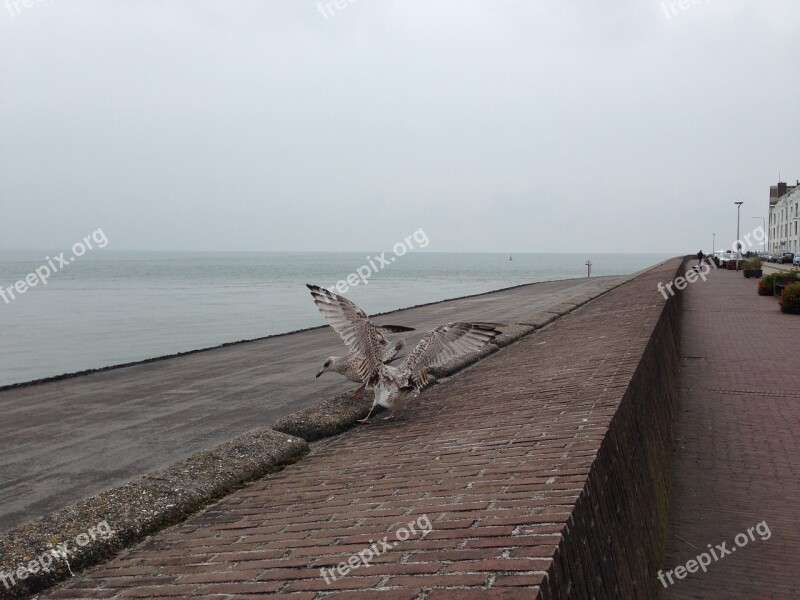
(752, 273)
(781, 281)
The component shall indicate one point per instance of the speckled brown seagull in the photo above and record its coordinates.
(393, 386)
(345, 316)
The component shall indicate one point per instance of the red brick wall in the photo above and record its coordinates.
(615, 539)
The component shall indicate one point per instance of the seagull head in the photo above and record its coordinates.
(327, 365)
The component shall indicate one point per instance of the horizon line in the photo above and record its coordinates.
(414, 251)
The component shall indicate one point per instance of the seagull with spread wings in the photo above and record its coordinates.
(350, 365)
(394, 386)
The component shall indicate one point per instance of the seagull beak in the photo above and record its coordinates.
(320, 373)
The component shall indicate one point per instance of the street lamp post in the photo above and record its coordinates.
(764, 229)
(738, 244)
(713, 244)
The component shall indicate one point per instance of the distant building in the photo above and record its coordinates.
(776, 191)
(784, 218)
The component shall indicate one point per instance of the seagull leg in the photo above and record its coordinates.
(389, 418)
(365, 420)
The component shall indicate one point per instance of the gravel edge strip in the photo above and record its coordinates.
(138, 509)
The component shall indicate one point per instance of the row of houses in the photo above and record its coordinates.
(784, 217)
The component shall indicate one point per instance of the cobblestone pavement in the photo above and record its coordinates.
(737, 460)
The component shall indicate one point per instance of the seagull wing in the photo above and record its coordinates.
(443, 344)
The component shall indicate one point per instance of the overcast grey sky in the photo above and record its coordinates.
(516, 126)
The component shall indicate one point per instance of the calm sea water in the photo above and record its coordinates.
(109, 307)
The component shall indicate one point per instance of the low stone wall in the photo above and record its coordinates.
(614, 541)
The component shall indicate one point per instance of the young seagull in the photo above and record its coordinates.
(348, 365)
(394, 385)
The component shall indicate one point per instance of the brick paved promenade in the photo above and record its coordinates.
(495, 459)
(737, 459)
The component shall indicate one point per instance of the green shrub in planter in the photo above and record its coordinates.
(753, 264)
(766, 285)
(790, 299)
